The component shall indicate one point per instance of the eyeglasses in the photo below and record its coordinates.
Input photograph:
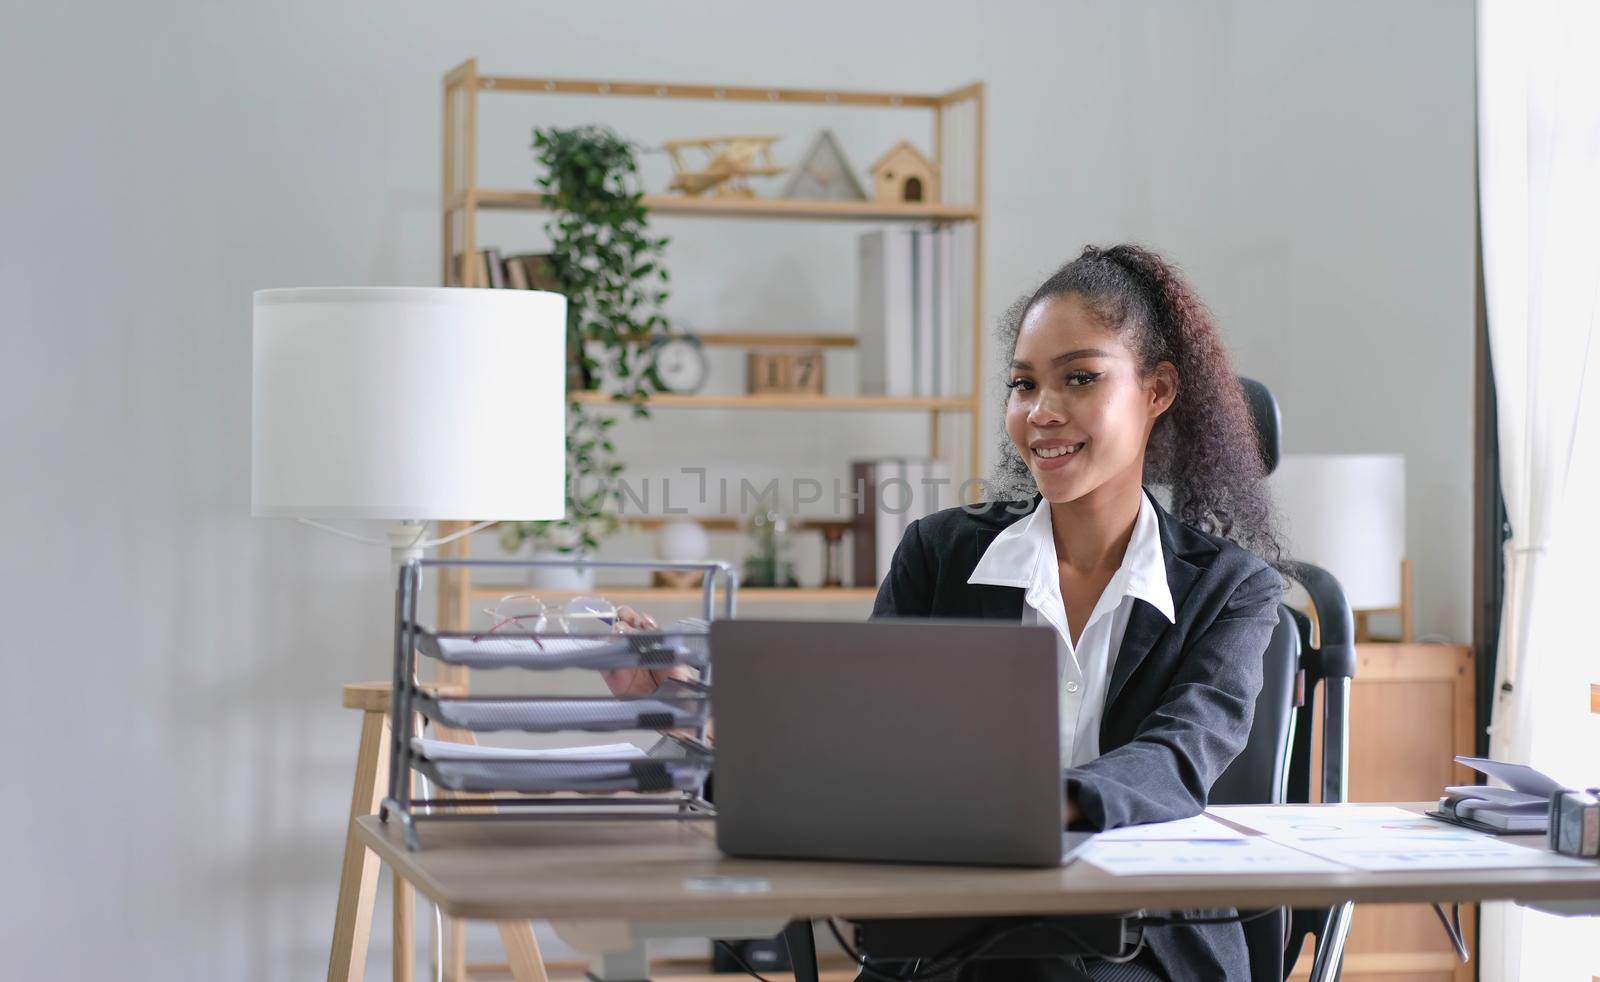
(527, 613)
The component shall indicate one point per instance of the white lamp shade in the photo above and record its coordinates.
(1347, 514)
(409, 403)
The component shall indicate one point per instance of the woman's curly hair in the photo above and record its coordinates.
(1204, 448)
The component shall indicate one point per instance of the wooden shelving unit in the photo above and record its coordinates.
(736, 339)
(671, 204)
(949, 113)
(735, 400)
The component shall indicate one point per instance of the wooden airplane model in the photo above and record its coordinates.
(732, 161)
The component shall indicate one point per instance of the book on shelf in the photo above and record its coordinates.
(527, 271)
(516, 275)
(944, 313)
(480, 269)
(921, 305)
(883, 302)
(497, 269)
(536, 271)
(892, 492)
(905, 305)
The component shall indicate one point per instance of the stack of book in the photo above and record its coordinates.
(906, 312)
(892, 491)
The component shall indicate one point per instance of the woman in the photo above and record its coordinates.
(1117, 378)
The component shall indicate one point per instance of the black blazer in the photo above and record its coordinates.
(1181, 696)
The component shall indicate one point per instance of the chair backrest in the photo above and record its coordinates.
(1269, 422)
(1276, 763)
(1260, 774)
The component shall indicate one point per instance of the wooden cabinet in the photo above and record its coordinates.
(1411, 712)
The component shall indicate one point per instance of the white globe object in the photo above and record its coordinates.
(683, 541)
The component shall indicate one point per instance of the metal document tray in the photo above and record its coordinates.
(676, 705)
(643, 649)
(670, 767)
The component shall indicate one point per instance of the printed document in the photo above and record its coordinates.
(1246, 854)
(1384, 838)
(1200, 827)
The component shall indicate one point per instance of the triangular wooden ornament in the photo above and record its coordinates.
(824, 174)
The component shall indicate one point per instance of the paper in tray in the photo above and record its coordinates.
(643, 650)
(491, 651)
(664, 711)
(609, 768)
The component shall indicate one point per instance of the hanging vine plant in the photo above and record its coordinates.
(608, 265)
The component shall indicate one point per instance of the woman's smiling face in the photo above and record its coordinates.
(1079, 411)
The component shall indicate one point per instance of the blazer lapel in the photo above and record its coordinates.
(1146, 624)
(995, 602)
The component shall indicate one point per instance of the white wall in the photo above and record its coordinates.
(180, 758)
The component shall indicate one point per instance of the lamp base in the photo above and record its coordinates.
(405, 542)
(1406, 611)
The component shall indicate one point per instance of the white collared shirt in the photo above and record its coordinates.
(1024, 555)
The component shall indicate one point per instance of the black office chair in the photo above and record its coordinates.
(1275, 765)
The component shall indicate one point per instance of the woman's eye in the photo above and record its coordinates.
(1081, 378)
(1019, 383)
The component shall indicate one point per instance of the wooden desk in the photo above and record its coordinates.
(655, 871)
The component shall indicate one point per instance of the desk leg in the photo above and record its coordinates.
(1330, 953)
(358, 881)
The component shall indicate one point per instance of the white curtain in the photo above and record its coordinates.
(1539, 185)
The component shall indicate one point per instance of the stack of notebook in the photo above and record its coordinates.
(1523, 807)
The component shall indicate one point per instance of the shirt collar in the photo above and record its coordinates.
(1023, 554)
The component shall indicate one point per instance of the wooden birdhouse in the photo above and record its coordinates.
(905, 176)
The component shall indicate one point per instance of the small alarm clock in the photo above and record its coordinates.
(680, 362)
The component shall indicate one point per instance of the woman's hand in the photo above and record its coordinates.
(628, 682)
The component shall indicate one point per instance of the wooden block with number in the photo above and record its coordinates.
(767, 373)
(785, 372)
(806, 373)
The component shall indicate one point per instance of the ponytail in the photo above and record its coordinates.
(1204, 449)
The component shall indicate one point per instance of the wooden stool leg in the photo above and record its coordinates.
(522, 951)
(455, 950)
(358, 880)
(405, 939)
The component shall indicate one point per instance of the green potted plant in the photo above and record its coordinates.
(609, 267)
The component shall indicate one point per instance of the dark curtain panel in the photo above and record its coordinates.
(1490, 525)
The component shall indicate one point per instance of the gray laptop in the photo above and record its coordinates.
(908, 740)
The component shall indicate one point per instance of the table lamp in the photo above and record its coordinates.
(410, 404)
(1347, 514)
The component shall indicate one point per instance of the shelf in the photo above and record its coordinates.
(730, 523)
(722, 93)
(751, 339)
(747, 594)
(826, 403)
(665, 204)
